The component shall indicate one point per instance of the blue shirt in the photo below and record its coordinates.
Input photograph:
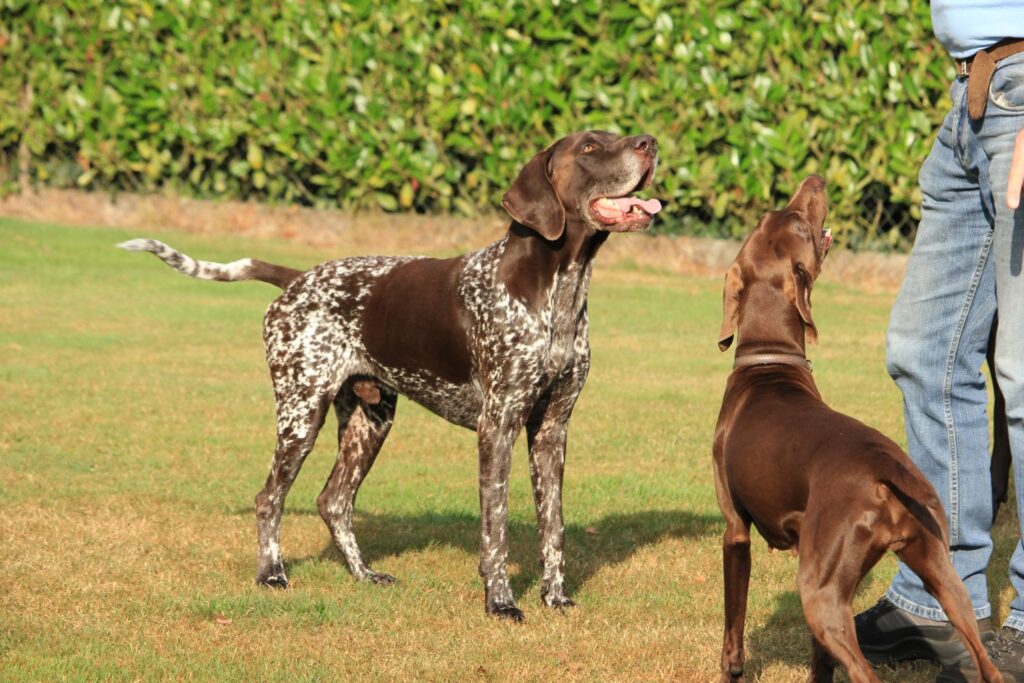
(966, 26)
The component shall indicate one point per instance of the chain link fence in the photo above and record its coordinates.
(882, 222)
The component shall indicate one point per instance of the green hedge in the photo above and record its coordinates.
(433, 106)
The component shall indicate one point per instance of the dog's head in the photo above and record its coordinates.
(588, 179)
(786, 251)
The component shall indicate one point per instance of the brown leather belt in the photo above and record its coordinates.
(979, 68)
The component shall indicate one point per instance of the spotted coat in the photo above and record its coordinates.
(494, 341)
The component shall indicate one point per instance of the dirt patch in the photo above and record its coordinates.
(402, 233)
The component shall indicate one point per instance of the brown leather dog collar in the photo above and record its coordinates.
(772, 359)
(979, 68)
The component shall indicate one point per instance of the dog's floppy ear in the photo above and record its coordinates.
(798, 289)
(731, 306)
(532, 200)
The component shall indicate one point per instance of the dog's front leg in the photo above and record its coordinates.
(546, 433)
(736, 565)
(547, 464)
(496, 433)
(736, 573)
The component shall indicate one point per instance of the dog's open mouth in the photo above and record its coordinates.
(826, 241)
(625, 212)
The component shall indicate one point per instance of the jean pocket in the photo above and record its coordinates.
(1006, 90)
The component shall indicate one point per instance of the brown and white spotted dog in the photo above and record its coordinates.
(494, 340)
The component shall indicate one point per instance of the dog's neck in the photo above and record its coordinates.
(530, 264)
(768, 323)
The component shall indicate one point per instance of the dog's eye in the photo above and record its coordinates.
(587, 148)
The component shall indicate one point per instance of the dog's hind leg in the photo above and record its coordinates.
(828, 612)
(365, 413)
(299, 419)
(836, 550)
(928, 556)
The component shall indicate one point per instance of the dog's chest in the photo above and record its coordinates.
(568, 328)
(515, 342)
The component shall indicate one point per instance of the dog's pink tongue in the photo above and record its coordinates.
(651, 206)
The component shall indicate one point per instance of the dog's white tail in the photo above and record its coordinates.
(183, 263)
(242, 269)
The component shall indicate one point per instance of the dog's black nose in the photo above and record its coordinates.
(647, 144)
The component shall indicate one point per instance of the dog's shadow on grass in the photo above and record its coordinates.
(588, 548)
(783, 638)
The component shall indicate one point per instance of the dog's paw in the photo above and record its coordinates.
(510, 612)
(273, 581)
(735, 675)
(379, 578)
(558, 601)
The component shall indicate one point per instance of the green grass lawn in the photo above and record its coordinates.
(136, 426)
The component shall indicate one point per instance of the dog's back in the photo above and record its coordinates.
(783, 448)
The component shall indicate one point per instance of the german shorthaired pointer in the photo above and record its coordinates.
(809, 478)
(491, 341)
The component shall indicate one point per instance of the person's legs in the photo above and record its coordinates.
(938, 333)
(1004, 117)
(960, 470)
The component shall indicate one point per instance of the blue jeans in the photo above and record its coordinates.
(966, 263)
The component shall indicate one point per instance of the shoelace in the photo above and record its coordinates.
(1005, 641)
(876, 608)
(870, 615)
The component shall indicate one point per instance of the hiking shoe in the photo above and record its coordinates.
(888, 634)
(1005, 649)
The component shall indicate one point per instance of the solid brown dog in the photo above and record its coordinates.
(809, 478)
